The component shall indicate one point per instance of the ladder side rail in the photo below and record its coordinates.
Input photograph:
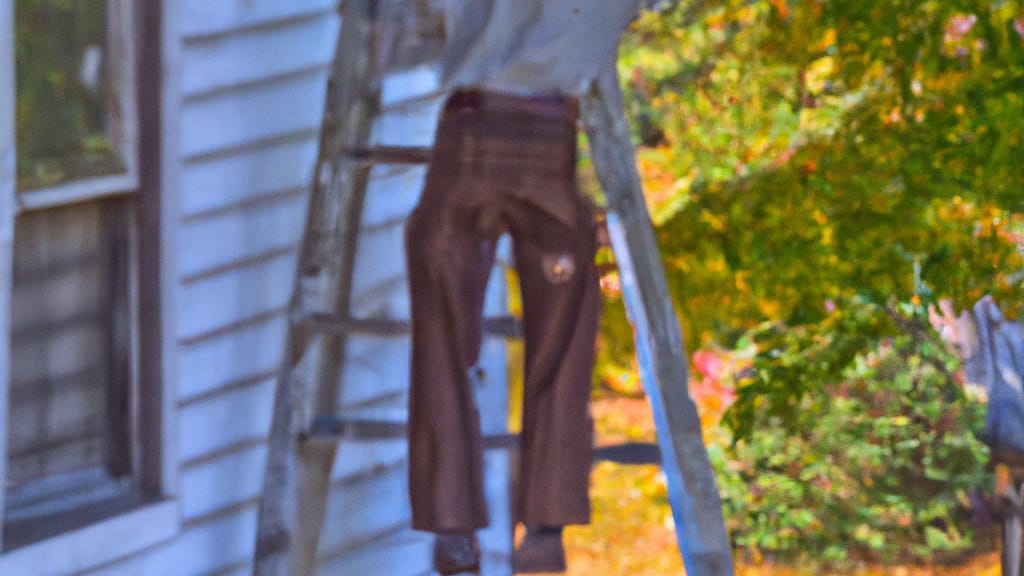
(297, 476)
(357, 94)
(693, 492)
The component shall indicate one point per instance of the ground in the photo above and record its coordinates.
(632, 533)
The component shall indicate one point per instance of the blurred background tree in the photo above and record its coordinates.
(799, 152)
(67, 104)
(819, 172)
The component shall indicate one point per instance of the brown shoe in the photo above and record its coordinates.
(539, 553)
(456, 553)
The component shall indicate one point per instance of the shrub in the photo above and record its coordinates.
(851, 440)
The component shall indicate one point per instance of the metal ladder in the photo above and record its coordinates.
(305, 430)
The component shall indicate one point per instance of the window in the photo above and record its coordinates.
(81, 428)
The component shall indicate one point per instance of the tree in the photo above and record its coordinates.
(819, 171)
(795, 153)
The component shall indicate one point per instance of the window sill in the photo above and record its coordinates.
(96, 544)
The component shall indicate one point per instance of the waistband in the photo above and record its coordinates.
(548, 106)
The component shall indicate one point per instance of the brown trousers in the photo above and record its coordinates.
(501, 164)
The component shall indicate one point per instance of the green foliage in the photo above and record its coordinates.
(792, 363)
(806, 164)
(852, 441)
(800, 152)
(62, 121)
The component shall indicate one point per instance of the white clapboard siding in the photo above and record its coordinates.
(361, 508)
(220, 62)
(496, 538)
(407, 126)
(491, 393)
(356, 458)
(374, 367)
(415, 84)
(387, 298)
(252, 79)
(220, 182)
(378, 286)
(239, 570)
(403, 553)
(222, 541)
(212, 485)
(204, 18)
(235, 119)
(251, 351)
(391, 195)
(235, 478)
(492, 402)
(211, 303)
(496, 297)
(249, 232)
(225, 421)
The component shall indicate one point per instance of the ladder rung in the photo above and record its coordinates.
(632, 453)
(333, 429)
(391, 154)
(507, 326)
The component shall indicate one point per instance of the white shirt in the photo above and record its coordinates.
(532, 46)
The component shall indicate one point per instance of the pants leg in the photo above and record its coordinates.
(501, 162)
(449, 263)
(561, 306)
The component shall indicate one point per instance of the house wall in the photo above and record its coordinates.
(244, 96)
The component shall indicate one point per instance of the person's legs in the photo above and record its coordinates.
(561, 309)
(521, 158)
(449, 263)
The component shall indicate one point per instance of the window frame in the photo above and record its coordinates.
(7, 209)
(156, 519)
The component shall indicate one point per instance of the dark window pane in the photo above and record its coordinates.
(70, 346)
(67, 105)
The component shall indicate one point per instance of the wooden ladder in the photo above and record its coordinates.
(305, 430)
